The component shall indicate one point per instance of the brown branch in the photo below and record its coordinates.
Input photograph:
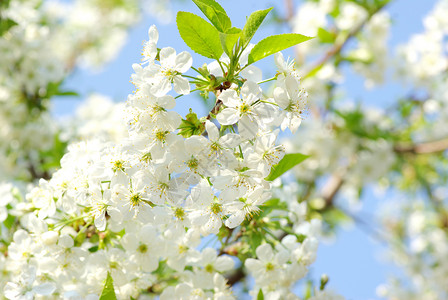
(35, 174)
(334, 184)
(289, 6)
(222, 87)
(423, 148)
(331, 188)
(223, 246)
(215, 109)
(236, 277)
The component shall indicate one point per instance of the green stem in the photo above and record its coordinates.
(178, 96)
(233, 63)
(222, 68)
(239, 146)
(66, 222)
(195, 78)
(196, 70)
(267, 80)
(82, 229)
(264, 101)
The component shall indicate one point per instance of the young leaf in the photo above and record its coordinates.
(199, 35)
(4, 4)
(260, 295)
(325, 36)
(191, 125)
(253, 22)
(215, 13)
(108, 292)
(229, 39)
(288, 162)
(274, 44)
(5, 25)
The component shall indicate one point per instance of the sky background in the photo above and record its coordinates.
(353, 260)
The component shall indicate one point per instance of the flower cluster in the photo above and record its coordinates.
(98, 117)
(420, 249)
(139, 208)
(41, 43)
(424, 56)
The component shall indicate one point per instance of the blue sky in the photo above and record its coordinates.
(352, 260)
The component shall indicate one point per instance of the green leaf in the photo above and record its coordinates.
(54, 89)
(229, 39)
(252, 24)
(51, 158)
(255, 239)
(314, 71)
(199, 35)
(9, 222)
(5, 25)
(4, 4)
(215, 13)
(325, 36)
(272, 204)
(274, 44)
(108, 290)
(288, 162)
(93, 249)
(191, 125)
(301, 238)
(260, 295)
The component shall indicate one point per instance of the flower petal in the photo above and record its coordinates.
(168, 57)
(181, 85)
(161, 87)
(212, 131)
(252, 73)
(265, 253)
(153, 34)
(280, 61)
(45, 289)
(230, 98)
(224, 263)
(281, 97)
(230, 140)
(166, 102)
(183, 62)
(247, 127)
(228, 116)
(250, 91)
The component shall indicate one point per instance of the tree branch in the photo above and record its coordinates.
(332, 187)
(423, 148)
(236, 277)
(334, 184)
(289, 6)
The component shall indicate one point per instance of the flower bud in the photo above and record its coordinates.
(323, 281)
